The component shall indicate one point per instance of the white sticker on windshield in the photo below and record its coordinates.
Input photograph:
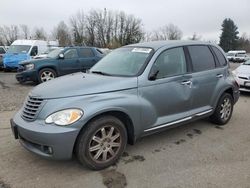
(142, 50)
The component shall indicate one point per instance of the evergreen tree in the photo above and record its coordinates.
(229, 36)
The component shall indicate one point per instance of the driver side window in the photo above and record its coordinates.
(170, 63)
(69, 54)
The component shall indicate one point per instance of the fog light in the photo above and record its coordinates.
(50, 150)
(47, 149)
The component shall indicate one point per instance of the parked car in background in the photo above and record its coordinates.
(132, 92)
(21, 50)
(45, 54)
(242, 75)
(58, 62)
(237, 56)
(2, 52)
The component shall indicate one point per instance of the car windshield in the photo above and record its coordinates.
(54, 53)
(247, 62)
(126, 61)
(230, 54)
(19, 49)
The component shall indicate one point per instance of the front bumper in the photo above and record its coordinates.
(27, 76)
(48, 141)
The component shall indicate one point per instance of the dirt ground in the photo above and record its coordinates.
(198, 155)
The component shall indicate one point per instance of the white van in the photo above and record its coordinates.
(21, 50)
(237, 55)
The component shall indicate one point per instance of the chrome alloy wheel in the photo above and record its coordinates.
(226, 108)
(47, 75)
(105, 144)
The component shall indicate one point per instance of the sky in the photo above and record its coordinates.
(203, 17)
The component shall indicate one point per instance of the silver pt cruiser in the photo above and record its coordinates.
(134, 91)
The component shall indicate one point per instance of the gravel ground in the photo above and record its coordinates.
(198, 155)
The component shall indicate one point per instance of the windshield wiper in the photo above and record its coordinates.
(101, 73)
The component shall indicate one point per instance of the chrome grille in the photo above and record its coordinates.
(31, 107)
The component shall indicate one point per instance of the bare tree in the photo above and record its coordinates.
(167, 32)
(62, 34)
(39, 34)
(25, 31)
(78, 25)
(195, 37)
(9, 34)
(112, 29)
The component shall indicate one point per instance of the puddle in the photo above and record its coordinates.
(197, 131)
(180, 141)
(219, 127)
(113, 179)
(3, 185)
(2, 84)
(126, 158)
(190, 135)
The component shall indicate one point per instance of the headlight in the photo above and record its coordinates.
(64, 117)
(29, 66)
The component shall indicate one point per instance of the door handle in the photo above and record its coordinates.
(219, 75)
(188, 82)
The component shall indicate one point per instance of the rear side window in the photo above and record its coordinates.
(2, 51)
(220, 56)
(86, 52)
(202, 58)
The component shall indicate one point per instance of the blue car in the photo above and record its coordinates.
(58, 63)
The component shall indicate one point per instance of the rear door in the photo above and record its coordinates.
(70, 62)
(87, 58)
(205, 78)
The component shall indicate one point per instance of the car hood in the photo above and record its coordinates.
(34, 61)
(243, 69)
(79, 84)
(9, 57)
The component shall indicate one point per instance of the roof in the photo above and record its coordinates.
(28, 42)
(168, 43)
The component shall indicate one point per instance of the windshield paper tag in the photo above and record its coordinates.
(142, 50)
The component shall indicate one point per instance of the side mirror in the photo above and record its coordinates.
(153, 74)
(61, 56)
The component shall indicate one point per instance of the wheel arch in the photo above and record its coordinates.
(48, 67)
(122, 116)
(228, 90)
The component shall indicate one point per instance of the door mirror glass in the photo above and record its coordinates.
(153, 73)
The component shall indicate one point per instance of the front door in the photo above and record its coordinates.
(169, 93)
(70, 62)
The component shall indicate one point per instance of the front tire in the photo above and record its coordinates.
(101, 143)
(224, 110)
(46, 74)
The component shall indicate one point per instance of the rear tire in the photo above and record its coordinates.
(46, 74)
(224, 110)
(101, 143)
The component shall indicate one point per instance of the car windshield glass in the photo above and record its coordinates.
(126, 61)
(19, 49)
(230, 54)
(247, 63)
(54, 53)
